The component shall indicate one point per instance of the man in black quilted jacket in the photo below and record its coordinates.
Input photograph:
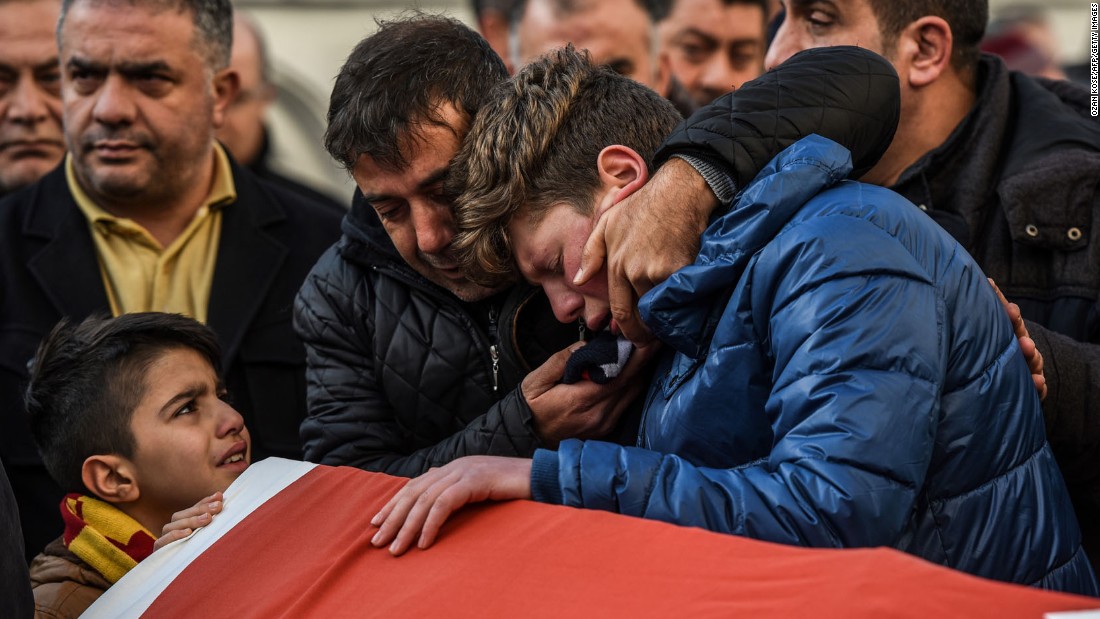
(1007, 164)
(411, 365)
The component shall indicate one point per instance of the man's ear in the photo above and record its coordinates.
(924, 49)
(226, 85)
(622, 171)
(110, 478)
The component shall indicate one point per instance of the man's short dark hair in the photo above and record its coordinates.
(213, 21)
(534, 145)
(87, 378)
(398, 77)
(967, 19)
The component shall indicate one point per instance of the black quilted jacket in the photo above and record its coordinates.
(380, 397)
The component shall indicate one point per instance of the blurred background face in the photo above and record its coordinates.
(242, 132)
(713, 46)
(822, 23)
(138, 100)
(31, 141)
(618, 33)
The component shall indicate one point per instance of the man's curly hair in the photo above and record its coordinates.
(534, 145)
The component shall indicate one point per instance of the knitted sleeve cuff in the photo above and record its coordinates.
(719, 181)
(544, 477)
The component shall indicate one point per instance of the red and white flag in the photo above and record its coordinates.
(294, 541)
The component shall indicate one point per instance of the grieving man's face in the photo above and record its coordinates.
(413, 207)
(548, 252)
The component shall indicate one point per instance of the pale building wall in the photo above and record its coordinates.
(308, 42)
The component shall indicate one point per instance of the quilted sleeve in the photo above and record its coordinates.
(812, 92)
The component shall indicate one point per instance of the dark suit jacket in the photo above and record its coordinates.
(48, 269)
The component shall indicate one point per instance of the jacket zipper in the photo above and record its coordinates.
(494, 346)
(417, 282)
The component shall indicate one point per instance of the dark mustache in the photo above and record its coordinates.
(138, 138)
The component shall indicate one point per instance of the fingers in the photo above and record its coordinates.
(170, 537)
(445, 503)
(192, 522)
(1032, 355)
(546, 376)
(199, 514)
(1034, 360)
(594, 254)
(403, 518)
(623, 301)
(185, 522)
(1031, 352)
(1012, 310)
(1040, 385)
(417, 512)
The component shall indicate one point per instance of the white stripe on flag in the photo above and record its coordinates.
(133, 594)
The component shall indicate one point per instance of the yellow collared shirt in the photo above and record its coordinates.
(142, 276)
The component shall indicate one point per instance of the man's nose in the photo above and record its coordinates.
(114, 104)
(27, 102)
(434, 225)
(718, 75)
(785, 45)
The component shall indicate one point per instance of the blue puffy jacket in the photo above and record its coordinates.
(840, 374)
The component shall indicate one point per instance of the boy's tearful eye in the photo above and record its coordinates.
(187, 408)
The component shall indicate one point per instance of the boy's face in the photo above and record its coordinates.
(190, 441)
(548, 254)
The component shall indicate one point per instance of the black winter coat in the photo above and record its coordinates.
(1017, 185)
(401, 372)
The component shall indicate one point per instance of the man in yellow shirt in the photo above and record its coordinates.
(148, 212)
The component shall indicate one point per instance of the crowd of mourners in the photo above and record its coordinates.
(824, 274)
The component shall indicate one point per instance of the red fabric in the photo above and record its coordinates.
(306, 553)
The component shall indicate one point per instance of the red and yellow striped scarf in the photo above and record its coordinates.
(103, 536)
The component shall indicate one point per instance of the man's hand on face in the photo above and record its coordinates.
(417, 511)
(1027, 345)
(585, 409)
(645, 238)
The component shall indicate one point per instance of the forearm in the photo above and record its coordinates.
(794, 502)
(746, 128)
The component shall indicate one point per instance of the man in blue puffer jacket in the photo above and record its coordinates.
(838, 371)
